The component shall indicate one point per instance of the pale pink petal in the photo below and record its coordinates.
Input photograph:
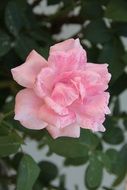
(101, 128)
(26, 109)
(77, 81)
(56, 107)
(92, 106)
(63, 46)
(44, 82)
(26, 73)
(63, 62)
(91, 113)
(66, 46)
(52, 118)
(101, 69)
(67, 56)
(98, 104)
(64, 94)
(92, 123)
(69, 131)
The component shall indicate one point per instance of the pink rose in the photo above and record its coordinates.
(63, 93)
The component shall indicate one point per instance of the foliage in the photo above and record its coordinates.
(102, 24)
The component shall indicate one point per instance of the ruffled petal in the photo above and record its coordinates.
(94, 124)
(26, 73)
(63, 46)
(52, 118)
(44, 82)
(26, 110)
(67, 56)
(69, 131)
(61, 110)
(64, 94)
(97, 105)
(101, 69)
(91, 114)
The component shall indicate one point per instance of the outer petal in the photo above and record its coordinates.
(26, 109)
(63, 46)
(94, 124)
(69, 131)
(93, 105)
(100, 69)
(52, 118)
(91, 114)
(26, 73)
(67, 56)
(97, 105)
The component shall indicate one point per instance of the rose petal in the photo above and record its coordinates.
(98, 104)
(64, 57)
(100, 69)
(52, 118)
(69, 131)
(94, 124)
(64, 94)
(44, 82)
(26, 109)
(63, 46)
(56, 107)
(26, 73)
(91, 114)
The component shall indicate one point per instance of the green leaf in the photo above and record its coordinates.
(109, 122)
(16, 160)
(54, 2)
(104, 159)
(116, 109)
(93, 53)
(4, 130)
(23, 46)
(91, 9)
(115, 162)
(9, 144)
(123, 155)
(72, 147)
(117, 10)
(76, 161)
(112, 53)
(125, 58)
(48, 172)
(5, 43)
(122, 159)
(28, 173)
(119, 28)
(119, 85)
(94, 173)
(113, 135)
(38, 185)
(13, 18)
(89, 139)
(101, 32)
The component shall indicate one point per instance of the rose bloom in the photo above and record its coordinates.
(63, 94)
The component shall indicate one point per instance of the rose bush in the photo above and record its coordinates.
(64, 93)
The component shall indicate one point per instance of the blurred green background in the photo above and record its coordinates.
(101, 26)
